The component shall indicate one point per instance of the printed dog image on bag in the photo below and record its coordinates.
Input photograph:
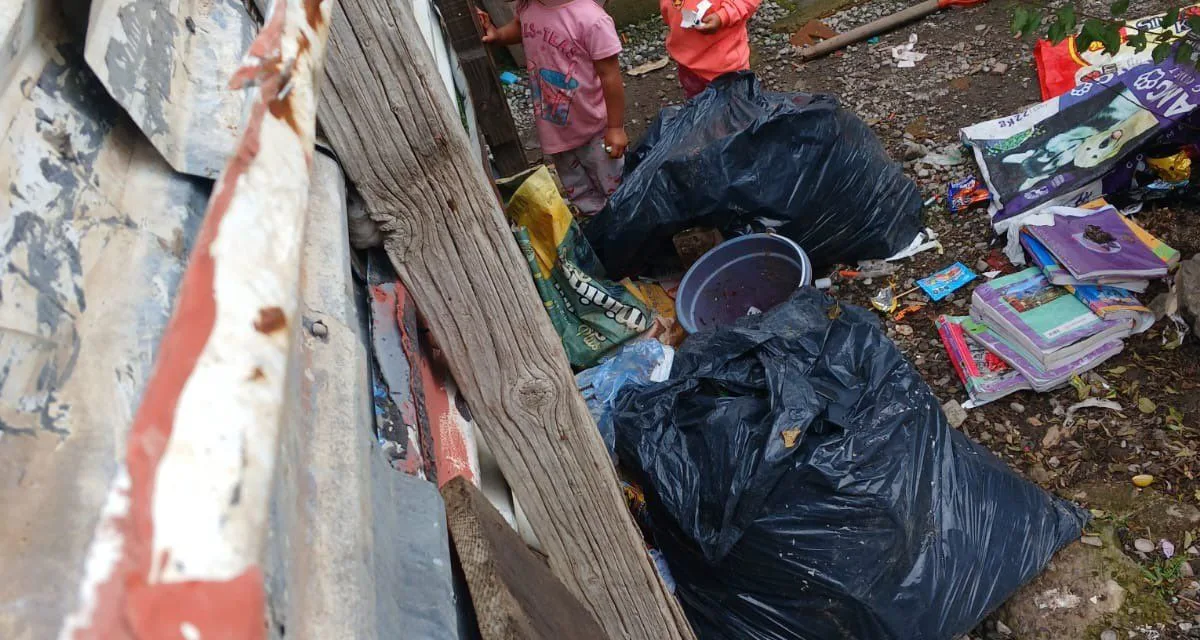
(1099, 133)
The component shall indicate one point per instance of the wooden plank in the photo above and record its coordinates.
(501, 12)
(491, 107)
(401, 141)
(514, 594)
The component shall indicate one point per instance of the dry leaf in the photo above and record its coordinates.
(790, 436)
(1146, 405)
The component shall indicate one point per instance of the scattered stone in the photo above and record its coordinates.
(904, 330)
(1003, 628)
(319, 330)
(1018, 407)
(1186, 570)
(1187, 280)
(955, 414)
(1092, 541)
(1143, 545)
(1000, 68)
(1108, 634)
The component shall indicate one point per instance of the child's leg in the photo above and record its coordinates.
(693, 85)
(589, 175)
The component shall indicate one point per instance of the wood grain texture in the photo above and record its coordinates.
(487, 96)
(401, 142)
(514, 594)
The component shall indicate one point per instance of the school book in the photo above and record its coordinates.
(1049, 323)
(1040, 377)
(1113, 303)
(1057, 274)
(984, 375)
(1105, 247)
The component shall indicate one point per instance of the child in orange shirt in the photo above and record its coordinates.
(720, 44)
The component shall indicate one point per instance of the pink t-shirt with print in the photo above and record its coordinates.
(561, 40)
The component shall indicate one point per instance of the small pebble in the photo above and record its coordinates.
(1018, 407)
(1003, 628)
(1108, 634)
(1092, 541)
(904, 330)
(319, 330)
(1143, 545)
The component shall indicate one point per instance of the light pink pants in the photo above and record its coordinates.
(589, 175)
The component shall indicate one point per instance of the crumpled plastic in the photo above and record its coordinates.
(742, 160)
(802, 483)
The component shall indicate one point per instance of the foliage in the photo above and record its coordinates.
(1031, 19)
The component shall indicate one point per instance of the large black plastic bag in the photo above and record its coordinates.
(737, 153)
(878, 521)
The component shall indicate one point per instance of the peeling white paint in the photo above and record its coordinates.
(105, 552)
(214, 478)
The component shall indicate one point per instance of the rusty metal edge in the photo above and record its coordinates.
(147, 575)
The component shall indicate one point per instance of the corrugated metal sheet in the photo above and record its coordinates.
(167, 62)
(95, 230)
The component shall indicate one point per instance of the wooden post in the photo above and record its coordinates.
(401, 141)
(487, 96)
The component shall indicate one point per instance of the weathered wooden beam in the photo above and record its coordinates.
(487, 96)
(401, 142)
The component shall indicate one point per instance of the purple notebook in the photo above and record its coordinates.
(1040, 378)
(1101, 246)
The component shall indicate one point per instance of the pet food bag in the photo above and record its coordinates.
(1083, 144)
(592, 315)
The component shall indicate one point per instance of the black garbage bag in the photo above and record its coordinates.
(802, 482)
(739, 157)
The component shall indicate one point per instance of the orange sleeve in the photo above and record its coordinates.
(735, 11)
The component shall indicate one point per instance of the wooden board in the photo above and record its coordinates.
(514, 594)
(483, 80)
(401, 142)
(501, 12)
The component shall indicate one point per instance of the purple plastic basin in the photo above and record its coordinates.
(760, 270)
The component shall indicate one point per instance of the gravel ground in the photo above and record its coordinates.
(975, 70)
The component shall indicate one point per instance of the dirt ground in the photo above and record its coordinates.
(975, 71)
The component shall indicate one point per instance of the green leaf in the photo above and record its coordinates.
(1170, 18)
(1137, 41)
(1066, 16)
(1021, 18)
(1161, 51)
(1146, 405)
(1183, 52)
(1119, 8)
(1057, 32)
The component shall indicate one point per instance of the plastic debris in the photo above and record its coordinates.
(947, 281)
(832, 188)
(856, 530)
(906, 55)
(509, 77)
(966, 193)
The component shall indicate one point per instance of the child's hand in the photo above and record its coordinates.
(710, 23)
(489, 29)
(615, 141)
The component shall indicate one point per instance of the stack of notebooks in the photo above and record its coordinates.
(1102, 258)
(1037, 328)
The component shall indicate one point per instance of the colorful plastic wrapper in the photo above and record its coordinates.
(966, 193)
(1084, 144)
(946, 281)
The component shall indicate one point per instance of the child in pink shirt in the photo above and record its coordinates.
(571, 49)
(718, 46)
